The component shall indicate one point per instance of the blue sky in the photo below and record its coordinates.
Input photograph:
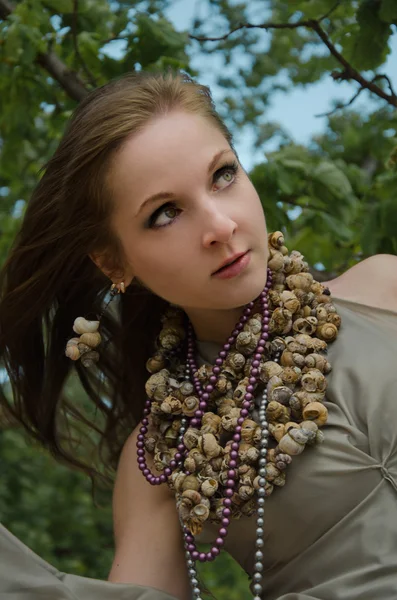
(295, 110)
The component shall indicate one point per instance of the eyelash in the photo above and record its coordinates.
(232, 167)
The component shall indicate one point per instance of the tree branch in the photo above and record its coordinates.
(348, 72)
(74, 28)
(342, 105)
(69, 80)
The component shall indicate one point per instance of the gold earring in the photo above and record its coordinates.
(118, 288)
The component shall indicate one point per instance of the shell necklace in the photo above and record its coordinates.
(222, 437)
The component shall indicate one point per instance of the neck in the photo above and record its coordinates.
(213, 325)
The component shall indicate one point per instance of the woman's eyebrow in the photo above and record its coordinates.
(170, 195)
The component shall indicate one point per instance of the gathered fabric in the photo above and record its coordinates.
(331, 533)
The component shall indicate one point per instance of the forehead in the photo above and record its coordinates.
(170, 144)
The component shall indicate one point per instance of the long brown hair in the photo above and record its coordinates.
(48, 279)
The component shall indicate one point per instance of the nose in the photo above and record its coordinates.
(218, 226)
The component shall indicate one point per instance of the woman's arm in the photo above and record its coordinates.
(148, 538)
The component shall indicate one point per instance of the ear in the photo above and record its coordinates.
(115, 273)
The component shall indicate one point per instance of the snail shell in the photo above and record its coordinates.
(270, 369)
(282, 461)
(277, 412)
(300, 435)
(248, 429)
(223, 384)
(225, 406)
(314, 381)
(291, 375)
(246, 342)
(186, 388)
(317, 361)
(211, 423)
(190, 405)
(190, 464)
(155, 363)
(236, 361)
(209, 446)
(301, 281)
(276, 239)
(276, 261)
(335, 319)
(72, 351)
(150, 443)
(327, 332)
(171, 406)
(246, 492)
(277, 431)
(272, 472)
(248, 453)
(209, 487)
(189, 485)
(201, 512)
(290, 301)
(274, 298)
(89, 359)
(82, 325)
(317, 412)
(241, 389)
(281, 321)
(229, 421)
(157, 385)
(253, 325)
(191, 437)
(307, 325)
(177, 480)
(289, 446)
(91, 339)
(83, 348)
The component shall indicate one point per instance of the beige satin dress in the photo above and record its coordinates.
(331, 532)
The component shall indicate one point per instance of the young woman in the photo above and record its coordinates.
(213, 370)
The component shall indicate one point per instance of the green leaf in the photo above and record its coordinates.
(370, 45)
(332, 178)
(157, 38)
(388, 11)
(60, 6)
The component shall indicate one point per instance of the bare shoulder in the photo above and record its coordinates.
(372, 281)
(148, 537)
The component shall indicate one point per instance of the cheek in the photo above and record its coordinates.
(155, 262)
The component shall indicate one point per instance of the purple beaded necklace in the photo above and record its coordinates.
(192, 554)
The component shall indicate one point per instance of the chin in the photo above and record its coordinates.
(239, 293)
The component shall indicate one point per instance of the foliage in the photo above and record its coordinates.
(335, 199)
(49, 507)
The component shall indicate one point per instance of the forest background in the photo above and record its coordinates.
(333, 194)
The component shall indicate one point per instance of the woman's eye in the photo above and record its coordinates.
(164, 216)
(225, 176)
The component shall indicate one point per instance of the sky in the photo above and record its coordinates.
(295, 110)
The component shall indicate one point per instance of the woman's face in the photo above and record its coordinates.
(184, 206)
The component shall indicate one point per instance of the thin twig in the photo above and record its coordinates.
(269, 25)
(348, 73)
(389, 83)
(340, 106)
(74, 28)
(331, 10)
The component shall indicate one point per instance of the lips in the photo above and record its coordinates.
(229, 261)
